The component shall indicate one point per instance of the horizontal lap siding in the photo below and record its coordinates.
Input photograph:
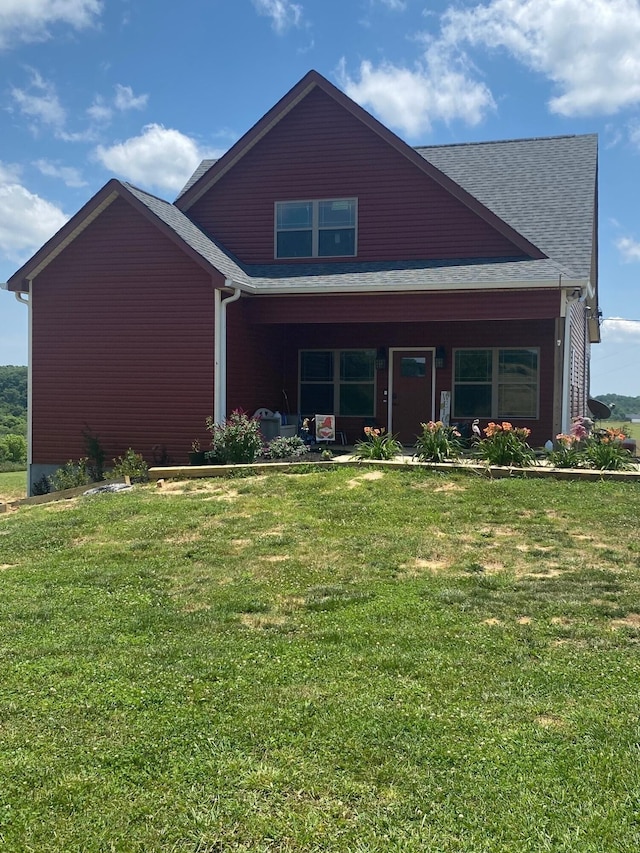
(371, 308)
(123, 342)
(321, 151)
(286, 341)
(255, 366)
(579, 354)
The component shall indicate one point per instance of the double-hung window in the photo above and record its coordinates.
(340, 382)
(316, 229)
(496, 383)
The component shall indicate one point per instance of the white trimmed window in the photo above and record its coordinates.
(340, 382)
(496, 383)
(316, 229)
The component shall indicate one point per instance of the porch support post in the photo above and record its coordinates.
(220, 350)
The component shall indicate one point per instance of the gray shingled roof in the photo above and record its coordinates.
(204, 166)
(544, 188)
(193, 236)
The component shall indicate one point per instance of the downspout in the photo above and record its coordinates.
(220, 350)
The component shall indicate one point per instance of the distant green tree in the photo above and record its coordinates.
(13, 400)
(13, 448)
(623, 405)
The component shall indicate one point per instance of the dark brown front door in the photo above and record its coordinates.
(411, 393)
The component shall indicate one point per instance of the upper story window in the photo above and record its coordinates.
(316, 229)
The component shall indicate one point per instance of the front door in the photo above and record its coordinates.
(411, 392)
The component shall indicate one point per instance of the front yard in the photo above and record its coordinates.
(358, 660)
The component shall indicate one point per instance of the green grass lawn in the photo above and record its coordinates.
(13, 485)
(353, 660)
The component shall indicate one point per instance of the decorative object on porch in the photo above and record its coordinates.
(325, 428)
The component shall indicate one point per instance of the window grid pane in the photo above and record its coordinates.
(509, 389)
(340, 382)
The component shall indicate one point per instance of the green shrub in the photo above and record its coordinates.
(131, 465)
(378, 444)
(438, 442)
(70, 475)
(506, 445)
(603, 450)
(95, 455)
(286, 447)
(13, 448)
(567, 452)
(236, 440)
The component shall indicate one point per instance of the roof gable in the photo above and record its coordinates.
(174, 224)
(207, 176)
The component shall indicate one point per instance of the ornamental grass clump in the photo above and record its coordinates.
(378, 444)
(567, 452)
(603, 450)
(438, 442)
(236, 440)
(506, 445)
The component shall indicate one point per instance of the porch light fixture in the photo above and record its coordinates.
(441, 357)
(381, 358)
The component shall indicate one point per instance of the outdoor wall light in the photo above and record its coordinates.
(441, 357)
(381, 358)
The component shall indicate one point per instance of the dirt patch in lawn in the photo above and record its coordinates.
(371, 475)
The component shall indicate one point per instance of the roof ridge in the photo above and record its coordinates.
(507, 141)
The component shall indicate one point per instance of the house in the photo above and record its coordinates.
(320, 265)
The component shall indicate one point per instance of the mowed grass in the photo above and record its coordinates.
(357, 660)
(13, 485)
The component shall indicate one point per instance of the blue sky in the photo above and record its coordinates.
(143, 89)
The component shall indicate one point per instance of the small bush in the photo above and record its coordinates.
(506, 445)
(438, 442)
(604, 451)
(286, 447)
(378, 444)
(236, 440)
(96, 456)
(566, 452)
(41, 486)
(13, 448)
(131, 465)
(70, 475)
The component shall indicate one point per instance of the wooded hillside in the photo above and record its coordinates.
(13, 400)
(623, 406)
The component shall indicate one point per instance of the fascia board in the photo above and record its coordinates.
(280, 290)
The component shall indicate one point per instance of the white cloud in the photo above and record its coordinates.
(283, 13)
(619, 330)
(629, 249)
(126, 100)
(26, 220)
(394, 5)
(439, 89)
(99, 111)
(588, 48)
(70, 175)
(31, 20)
(40, 102)
(159, 157)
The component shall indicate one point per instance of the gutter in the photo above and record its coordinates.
(220, 350)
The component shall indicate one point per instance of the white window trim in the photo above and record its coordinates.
(495, 383)
(337, 382)
(315, 228)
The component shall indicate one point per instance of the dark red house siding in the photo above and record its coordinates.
(260, 381)
(371, 307)
(123, 342)
(319, 150)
